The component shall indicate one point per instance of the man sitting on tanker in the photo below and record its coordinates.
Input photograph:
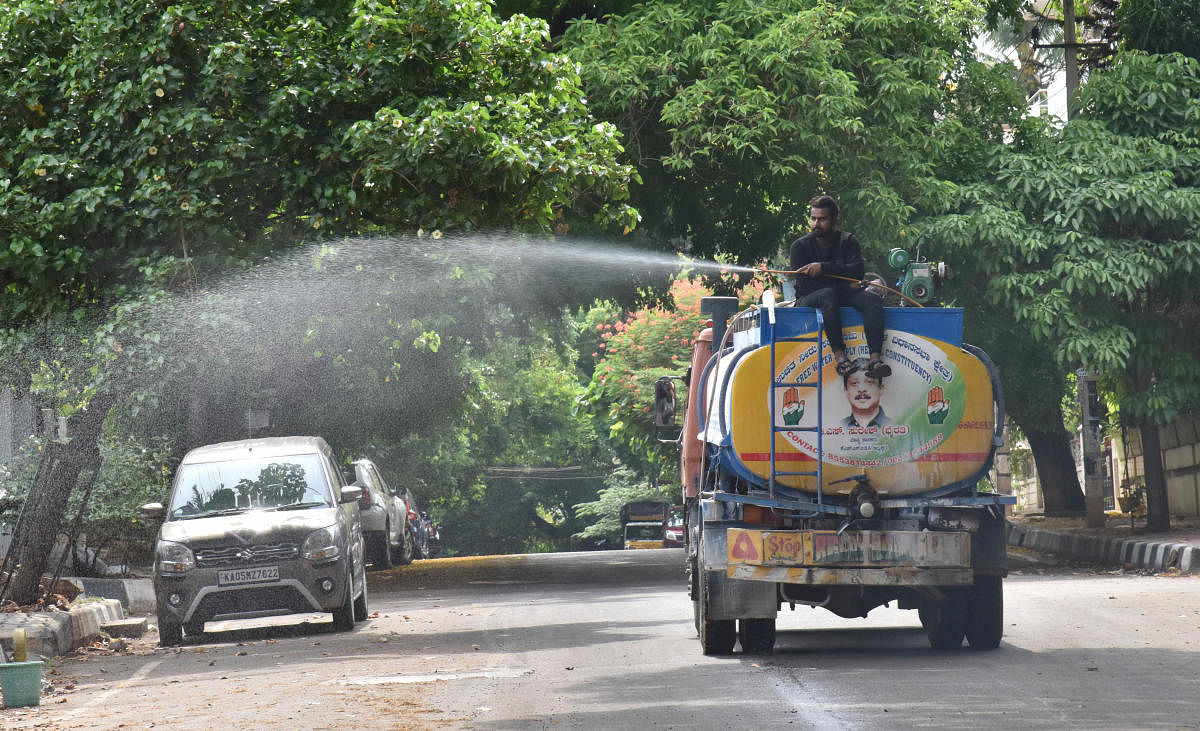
(823, 261)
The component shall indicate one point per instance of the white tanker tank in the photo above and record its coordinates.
(936, 418)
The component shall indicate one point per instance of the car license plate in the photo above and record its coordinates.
(248, 576)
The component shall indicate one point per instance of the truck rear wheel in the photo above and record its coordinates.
(694, 591)
(945, 619)
(716, 635)
(757, 635)
(985, 613)
(693, 560)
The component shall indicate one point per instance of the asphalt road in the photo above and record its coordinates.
(605, 641)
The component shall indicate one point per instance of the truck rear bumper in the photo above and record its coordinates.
(863, 558)
(886, 576)
(851, 548)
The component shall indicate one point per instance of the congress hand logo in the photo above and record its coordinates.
(938, 408)
(793, 407)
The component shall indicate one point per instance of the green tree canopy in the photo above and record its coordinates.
(736, 112)
(1160, 26)
(178, 181)
(150, 152)
(133, 131)
(1090, 235)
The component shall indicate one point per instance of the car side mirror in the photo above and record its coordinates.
(664, 410)
(664, 403)
(350, 494)
(152, 511)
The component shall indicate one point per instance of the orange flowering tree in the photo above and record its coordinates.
(636, 349)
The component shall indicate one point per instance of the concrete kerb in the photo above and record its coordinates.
(1080, 546)
(136, 595)
(1137, 554)
(49, 633)
(1112, 549)
(1189, 560)
(1156, 555)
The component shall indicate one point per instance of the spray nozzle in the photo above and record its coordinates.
(768, 300)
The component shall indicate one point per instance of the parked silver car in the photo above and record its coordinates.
(258, 528)
(384, 518)
(416, 525)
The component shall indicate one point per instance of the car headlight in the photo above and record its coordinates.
(322, 544)
(175, 558)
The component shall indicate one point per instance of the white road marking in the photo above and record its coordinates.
(386, 679)
(137, 677)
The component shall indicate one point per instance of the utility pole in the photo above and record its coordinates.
(1091, 412)
(1070, 48)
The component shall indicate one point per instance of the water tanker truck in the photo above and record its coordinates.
(791, 500)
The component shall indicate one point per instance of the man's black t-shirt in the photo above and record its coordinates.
(844, 258)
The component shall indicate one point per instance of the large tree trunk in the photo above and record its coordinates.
(64, 466)
(1059, 481)
(1158, 509)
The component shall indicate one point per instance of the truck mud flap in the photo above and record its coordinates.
(732, 599)
(989, 549)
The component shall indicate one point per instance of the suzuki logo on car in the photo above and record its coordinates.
(245, 554)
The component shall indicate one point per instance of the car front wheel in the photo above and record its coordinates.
(170, 634)
(360, 604)
(343, 616)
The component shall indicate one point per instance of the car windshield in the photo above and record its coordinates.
(212, 488)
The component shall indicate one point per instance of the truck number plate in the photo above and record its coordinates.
(248, 576)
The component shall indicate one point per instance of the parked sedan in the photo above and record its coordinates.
(384, 518)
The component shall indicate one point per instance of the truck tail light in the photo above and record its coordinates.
(758, 515)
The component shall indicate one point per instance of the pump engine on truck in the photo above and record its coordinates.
(791, 500)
